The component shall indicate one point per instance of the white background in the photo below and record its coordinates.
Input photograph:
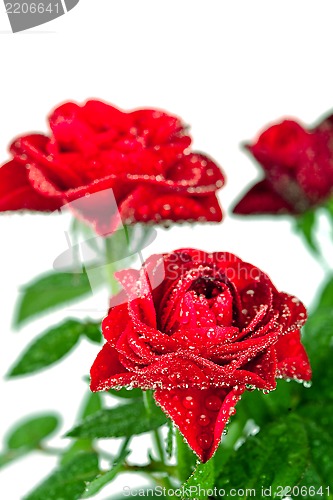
(228, 69)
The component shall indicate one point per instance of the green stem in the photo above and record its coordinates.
(124, 446)
(51, 451)
(152, 467)
(149, 403)
(158, 445)
(110, 267)
(157, 441)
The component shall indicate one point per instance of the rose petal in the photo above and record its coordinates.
(148, 204)
(105, 366)
(16, 192)
(262, 199)
(292, 313)
(292, 360)
(200, 415)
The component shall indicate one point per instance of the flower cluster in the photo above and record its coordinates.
(298, 169)
(197, 328)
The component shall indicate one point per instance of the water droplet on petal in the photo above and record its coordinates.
(189, 402)
(203, 420)
(205, 440)
(213, 403)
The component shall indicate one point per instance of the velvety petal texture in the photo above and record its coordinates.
(200, 328)
(109, 165)
(297, 163)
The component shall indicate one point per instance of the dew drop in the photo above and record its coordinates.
(203, 420)
(189, 402)
(307, 384)
(205, 441)
(213, 403)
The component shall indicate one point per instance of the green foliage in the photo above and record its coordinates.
(318, 341)
(203, 477)
(49, 292)
(27, 435)
(169, 442)
(122, 421)
(186, 458)
(51, 346)
(92, 404)
(103, 479)
(68, 482)
(306, 226)
(258, 462)
(30, 432)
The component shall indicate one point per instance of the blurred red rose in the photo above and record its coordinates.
(298, 169)
(200, 328)
(144, 156)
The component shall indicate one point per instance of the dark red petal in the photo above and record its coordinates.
(139, 292)
(292, 360)
(103, 117)
(200, 415)
(33, 150)
(149, 204)
(17, 193)
(262, 199)
(196, 170)
(105, 366)
(161, 127)
(115, 323)
(175, 370)
(292, 313)
(315, 172)
(265, 365)
(281, 144)
(70, 131)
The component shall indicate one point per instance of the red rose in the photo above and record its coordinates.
(200, 328)
(298, 167)
(143, 156)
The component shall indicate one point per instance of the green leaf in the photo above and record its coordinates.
(306, 226)
(203, 477)
(326, 297)
(314, 412)
(122, 421)
(319, 471)
(92, 404)
(126, 393)
(318, 342)
(186, 459)
(68, 481)
(277, 456)
(10, 455)
(51, 291)
(263, 408)
(169, 444)
(93, 332)
(30, 432)
(79, 446)
(49, 347)
(102, 480)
